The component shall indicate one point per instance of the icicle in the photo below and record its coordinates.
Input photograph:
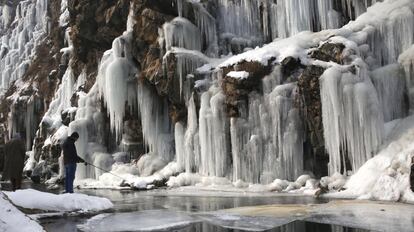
(131, 20)
(182, 33)
(390, 84)
(179, 145)
(29, 122)
(62, 96)
(87, 124)
(213, 135)
(191, 138)
(207, 25)
(268, 143)
(352, 118)
(115, 71)
(186, 63)
(240, 21)
(328, 17)
(156, 125)
(287, 138)
(64, 14)
(186, 144)
(407, 61)
(387, 38)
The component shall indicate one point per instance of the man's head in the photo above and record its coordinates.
(74, 136)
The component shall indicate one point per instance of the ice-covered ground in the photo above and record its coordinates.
(13, 220)
(33, 199)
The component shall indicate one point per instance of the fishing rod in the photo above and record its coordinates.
(123, 180)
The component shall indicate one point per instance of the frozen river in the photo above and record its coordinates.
(188, 210)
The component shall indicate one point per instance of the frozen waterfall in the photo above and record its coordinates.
(207, 44)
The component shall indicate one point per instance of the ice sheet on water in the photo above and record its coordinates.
(149, 220)
(138, 221)
(366, 215)
(246, 223)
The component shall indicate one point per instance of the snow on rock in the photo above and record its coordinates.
(334, 182)
(238, 75)
(302, 179)
(129, 174)
(304, 184)
(294, 46)
(186, 179)
(149, 164)
(33, 199)
(12, 220)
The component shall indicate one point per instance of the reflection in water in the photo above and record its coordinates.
(297, 226)
(126, 201)
(70, 225)
(130, 201)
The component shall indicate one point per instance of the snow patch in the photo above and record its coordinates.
(64, 202)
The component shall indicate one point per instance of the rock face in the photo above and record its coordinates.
(316, 158)
(237, 90)
(315, 155)
(95, 24)
(26, 108)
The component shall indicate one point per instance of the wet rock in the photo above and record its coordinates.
(160, 183)
(309, 102)
(132, 139)
(290, 65)
(237, 90)
(329, 52)
(95, 24)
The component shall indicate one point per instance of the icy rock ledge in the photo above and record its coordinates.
(33, 199)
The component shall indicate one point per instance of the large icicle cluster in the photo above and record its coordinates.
(19, 41)
(364, 90)
(358, 130)
(352, 118)
(264, 20)
(268, 143)
(115, 72)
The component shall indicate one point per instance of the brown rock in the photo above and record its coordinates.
(329, 52)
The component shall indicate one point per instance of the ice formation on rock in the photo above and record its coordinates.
(352, 118)
(23, 36)
(368, 85)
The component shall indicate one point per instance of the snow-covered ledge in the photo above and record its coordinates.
(33, 199)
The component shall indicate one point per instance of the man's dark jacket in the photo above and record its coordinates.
(70, 156)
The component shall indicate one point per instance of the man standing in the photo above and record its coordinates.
(14, 154)
(70, 158)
